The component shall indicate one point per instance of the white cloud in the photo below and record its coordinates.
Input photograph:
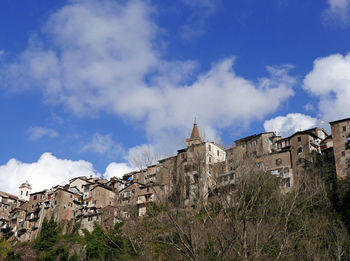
(117, 170)
(103, 56)
(142, 156)
(2, 52)
(287, 125)
(338, 11)
(219, 99)
(103, 144)
(47, 172)
(329, 80)
(37, 132)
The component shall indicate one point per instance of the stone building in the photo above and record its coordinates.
(196, 169)
(303, 146)
(8, 203)
(267, 150)
(109, 217)
(341, 146)
(185, 180)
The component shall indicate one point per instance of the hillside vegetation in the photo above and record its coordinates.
(256, 221)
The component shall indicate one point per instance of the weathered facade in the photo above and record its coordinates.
(186, 180)
(341, 146)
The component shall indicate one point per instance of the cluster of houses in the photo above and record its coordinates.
(185, 180)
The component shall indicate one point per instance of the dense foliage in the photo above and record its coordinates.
(257, 221)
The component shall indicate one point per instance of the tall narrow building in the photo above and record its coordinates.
(24, 191)
(341, 146)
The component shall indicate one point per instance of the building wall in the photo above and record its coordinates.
(301, 150)
(102, 197)
(108, 217)
(340, 135)
(78, 183)
(280, 164)
(64, 206)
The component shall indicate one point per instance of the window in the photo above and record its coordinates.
(343, 153)
(299, 139)
(27, 193)
(279, 145)
(286, 170)
(196, 178)
(287, 142)
(300, 150)
(209, 147)
(21, 192)
(182, 156)
(278, 162)
(344, 128)
(209, 159)
(231, 176)
(89, 218)
(218, 153)
(286, 182)
(35, 197)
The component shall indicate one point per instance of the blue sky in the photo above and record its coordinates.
(87, 85)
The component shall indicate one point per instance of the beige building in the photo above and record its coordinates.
(341, 146)
(303, 146)
(8, 203)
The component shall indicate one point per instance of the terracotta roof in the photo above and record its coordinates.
(8, 195)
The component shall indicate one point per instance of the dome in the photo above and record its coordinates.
(25, 185)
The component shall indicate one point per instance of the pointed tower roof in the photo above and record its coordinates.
(195, 132)
(195, 138)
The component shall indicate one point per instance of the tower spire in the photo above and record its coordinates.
(195, 138)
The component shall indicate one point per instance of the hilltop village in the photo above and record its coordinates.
(188, 179)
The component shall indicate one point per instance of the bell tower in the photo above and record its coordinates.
(24, 191)
(195, 138)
